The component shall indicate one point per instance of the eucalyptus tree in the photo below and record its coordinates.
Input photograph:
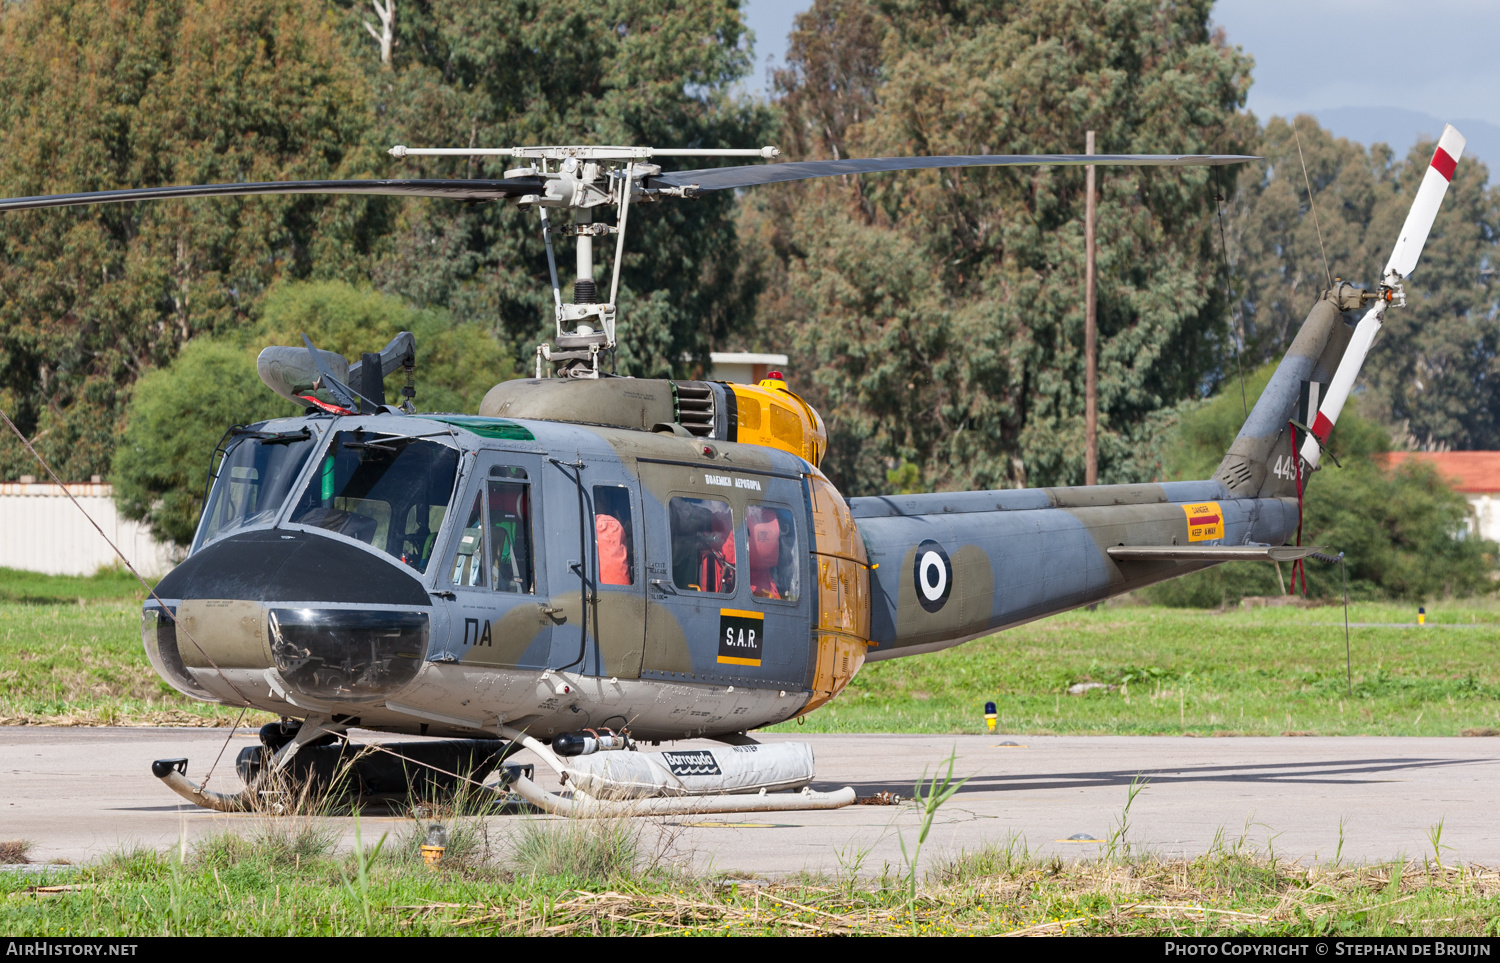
(945, 309)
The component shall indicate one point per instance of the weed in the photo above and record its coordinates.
(133, 864)
(274, 843)
(993, 860)
(14, 850)
(577, 848)
(1435, 837)
(929, 801)
(1117, 846)
(463, 818)
(851, 860)
(359, 886)
(176, 889)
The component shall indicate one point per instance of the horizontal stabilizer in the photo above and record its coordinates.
(1216, 553)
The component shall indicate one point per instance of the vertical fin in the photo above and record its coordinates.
(1261, 462)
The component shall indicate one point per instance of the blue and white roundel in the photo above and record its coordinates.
(932, 572)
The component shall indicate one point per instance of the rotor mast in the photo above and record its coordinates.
(580, 179)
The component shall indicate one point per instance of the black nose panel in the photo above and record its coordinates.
(277, 566)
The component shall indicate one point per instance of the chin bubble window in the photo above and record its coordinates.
(702, 545)
(772, 541)
(614, 536)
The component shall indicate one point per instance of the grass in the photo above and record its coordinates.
(1261, 671)
(260, 885)
(110, 582)
(577, 848)
(14, 851)
(71, 654)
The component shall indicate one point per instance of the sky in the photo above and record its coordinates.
(1431, 61)
(1436, 56)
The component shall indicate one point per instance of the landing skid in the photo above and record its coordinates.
(724, 779)
(639, 788)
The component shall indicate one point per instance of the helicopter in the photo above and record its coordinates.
(592, 562)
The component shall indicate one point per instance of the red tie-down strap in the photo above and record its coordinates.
(1298, 568)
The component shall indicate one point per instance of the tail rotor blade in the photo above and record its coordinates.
(1429, 198)
(1403, 261)
(1341, 384)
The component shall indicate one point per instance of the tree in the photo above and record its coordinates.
(177, 413)
(100, 95)
(175, 418)
(944, 309)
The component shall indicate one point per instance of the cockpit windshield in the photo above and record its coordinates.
(253, 480)
(387, 491)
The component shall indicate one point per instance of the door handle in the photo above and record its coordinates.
(663, 586)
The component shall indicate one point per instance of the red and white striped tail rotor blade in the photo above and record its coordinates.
(1342, 383)
(1403, 261)
(1429, 198)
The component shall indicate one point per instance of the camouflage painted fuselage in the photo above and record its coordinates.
(303, 620)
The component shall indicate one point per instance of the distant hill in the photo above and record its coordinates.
(1402, 128)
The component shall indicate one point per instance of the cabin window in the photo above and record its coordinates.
(468, 564)
(614, 535)
(771, 547)
(386, 491)
(702, 545)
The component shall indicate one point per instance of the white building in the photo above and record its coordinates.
(43, 530)
(1474, 473)
(743, 367)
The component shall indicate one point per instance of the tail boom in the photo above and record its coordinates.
(954, 567)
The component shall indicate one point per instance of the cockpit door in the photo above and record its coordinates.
(593, 535)
(496, 565)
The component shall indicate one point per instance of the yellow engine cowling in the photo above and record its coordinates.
(842, 573)
(770, 414)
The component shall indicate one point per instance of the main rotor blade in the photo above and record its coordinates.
(459, 190)
(725, 178)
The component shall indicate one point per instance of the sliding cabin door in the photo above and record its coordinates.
(729, 598)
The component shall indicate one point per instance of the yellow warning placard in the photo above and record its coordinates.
(1205, 521)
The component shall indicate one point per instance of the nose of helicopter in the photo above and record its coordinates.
(318, 620)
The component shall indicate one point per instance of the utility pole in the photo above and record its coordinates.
(1090, 333)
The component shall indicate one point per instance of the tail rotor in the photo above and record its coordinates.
(1403, 261)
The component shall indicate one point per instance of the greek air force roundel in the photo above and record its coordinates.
(933, 573)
